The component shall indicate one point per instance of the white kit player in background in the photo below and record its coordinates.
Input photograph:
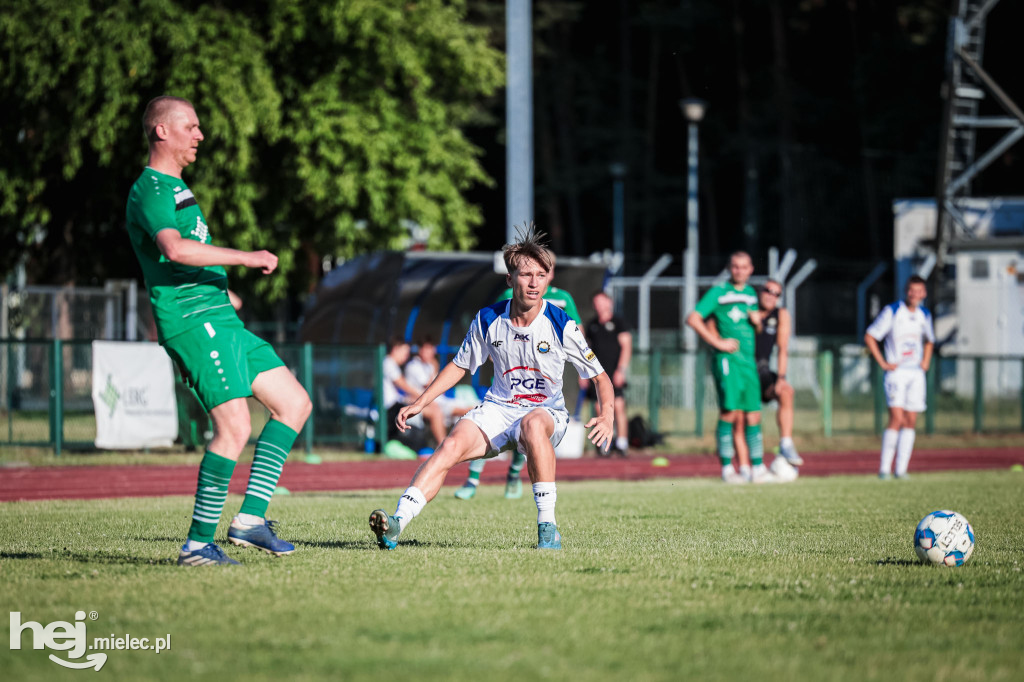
(528, 341)
(906, 329)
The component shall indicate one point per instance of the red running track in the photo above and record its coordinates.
(90, 482)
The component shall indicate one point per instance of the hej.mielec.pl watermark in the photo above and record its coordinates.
(71, 637)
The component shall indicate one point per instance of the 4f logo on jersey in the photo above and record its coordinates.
(496, 344)
(522, 337)
(543, 347)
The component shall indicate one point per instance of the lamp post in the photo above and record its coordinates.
(618, 172)
(693, 109)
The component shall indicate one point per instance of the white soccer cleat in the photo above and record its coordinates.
(760, 474)
(733, 477)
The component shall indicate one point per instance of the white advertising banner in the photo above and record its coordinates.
(133, 395)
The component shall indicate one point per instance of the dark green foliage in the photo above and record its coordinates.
(329, 126)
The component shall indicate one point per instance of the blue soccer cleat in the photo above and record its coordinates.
(466, 492)
(790, 454)
(513, 488)
(548, 536)
(207, 555)
(386, 528)
(259, 536)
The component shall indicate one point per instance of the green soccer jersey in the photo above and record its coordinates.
(557, 297)
(730, 306)
(183, 296)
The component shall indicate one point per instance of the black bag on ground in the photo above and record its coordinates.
(641, 435)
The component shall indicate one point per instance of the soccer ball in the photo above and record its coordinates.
(783, 470)
(944, 538)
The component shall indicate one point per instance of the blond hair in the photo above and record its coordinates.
(157, 111)
(531, 244)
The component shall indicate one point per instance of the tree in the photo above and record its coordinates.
(330, 126)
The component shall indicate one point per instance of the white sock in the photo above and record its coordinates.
(545, 496)
(889, 440)
(193, 545)
(622, 443)
(249, 520)
(410, 504)
(904, 447)
(785, 443)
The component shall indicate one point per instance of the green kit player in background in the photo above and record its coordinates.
(732, 305)
(513, 483)
(199, 328)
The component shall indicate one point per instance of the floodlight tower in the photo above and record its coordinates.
(965, 87)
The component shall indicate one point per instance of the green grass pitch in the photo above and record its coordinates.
(659, 580)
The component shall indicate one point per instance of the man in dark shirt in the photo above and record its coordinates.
(776, 326)
(610, 339)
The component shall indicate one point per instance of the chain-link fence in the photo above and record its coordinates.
(673, 390)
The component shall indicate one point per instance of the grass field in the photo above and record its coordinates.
(668, 579)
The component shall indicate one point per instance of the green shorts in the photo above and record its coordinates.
(738, 384)
(219, 361)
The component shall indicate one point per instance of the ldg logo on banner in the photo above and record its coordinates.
(63, 636)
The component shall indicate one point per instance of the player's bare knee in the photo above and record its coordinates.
(536, 425)
(301, 411)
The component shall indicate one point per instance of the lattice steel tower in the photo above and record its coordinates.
(966, 86)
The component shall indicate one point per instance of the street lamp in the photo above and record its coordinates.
(618, 173)
(693, 109)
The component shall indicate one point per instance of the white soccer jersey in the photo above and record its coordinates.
(528, 361)
(904, 333)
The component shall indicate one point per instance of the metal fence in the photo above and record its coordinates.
(979, 394)
(673, 390)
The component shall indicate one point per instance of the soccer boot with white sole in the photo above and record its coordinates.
(207, 555)
(513, 488)
(466, 492)
(790, 454)
(733, 477)
(260, 536)
(548, 536)
(386, 528)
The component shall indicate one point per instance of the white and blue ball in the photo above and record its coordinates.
(944, 538)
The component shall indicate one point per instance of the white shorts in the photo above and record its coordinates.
(905, 389)
(501, 423)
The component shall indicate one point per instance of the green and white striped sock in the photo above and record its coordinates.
(476, 467)
(211, 493)
(518, 460)
(272, 449)
(726, 449)
(756, 444)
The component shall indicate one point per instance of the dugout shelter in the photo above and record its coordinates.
(415, 294)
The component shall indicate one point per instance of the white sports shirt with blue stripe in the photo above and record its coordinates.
(905, 332)
(528, 361)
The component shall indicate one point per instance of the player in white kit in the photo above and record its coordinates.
(905, 328)
(528, 341)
